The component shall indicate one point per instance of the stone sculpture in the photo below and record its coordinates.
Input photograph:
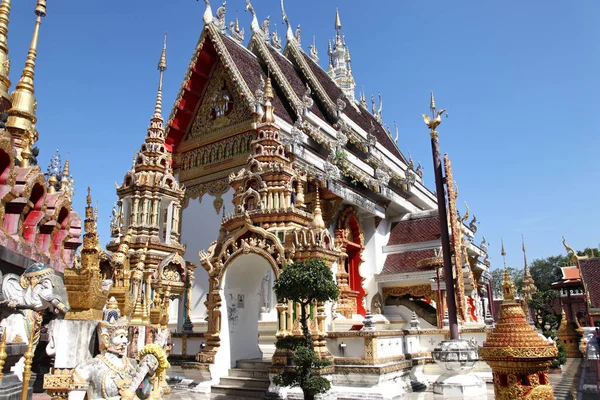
(112, 375)
(25, 297)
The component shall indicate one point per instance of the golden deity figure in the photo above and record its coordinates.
(112, 375)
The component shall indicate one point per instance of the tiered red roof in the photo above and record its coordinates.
(590, 272)
(416, 230)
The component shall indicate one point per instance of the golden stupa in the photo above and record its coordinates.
(518, 355)
(569, 337)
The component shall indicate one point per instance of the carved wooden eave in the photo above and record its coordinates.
(292, 50)
(258, 45)
(209, 49)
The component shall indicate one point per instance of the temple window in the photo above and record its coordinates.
(221, 102)
(250, 203)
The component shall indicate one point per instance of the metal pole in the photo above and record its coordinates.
(443, 216)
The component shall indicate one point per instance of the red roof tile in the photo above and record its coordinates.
(415, 231)
(405, 262)
(570, 272)
(252, 71)
(590, 272)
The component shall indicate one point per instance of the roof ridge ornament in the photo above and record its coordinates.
(289, 36)
(254, 26)
(236, 33)
(207, 18)
(219, 19)
(314, 53)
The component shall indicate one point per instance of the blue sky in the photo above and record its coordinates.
(519, 79)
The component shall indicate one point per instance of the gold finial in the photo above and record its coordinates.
(524, 253)
(268, 115)
(88, 198)
(318, 223)
(503, 253)
(21, 116)
(338, 22)
(162, 67)
(4, 59)
(436, 117)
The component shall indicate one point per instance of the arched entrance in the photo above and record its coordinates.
(243, 295)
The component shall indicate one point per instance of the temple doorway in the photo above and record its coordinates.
(246, 295)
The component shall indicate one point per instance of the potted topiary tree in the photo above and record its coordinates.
(305, 283)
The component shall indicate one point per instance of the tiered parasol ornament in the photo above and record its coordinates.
(518, 355)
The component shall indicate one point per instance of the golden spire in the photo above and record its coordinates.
(526, 267)
(318, 223)
(338, 22)
(65, 181)
(432, 103)
(268, 115)
(4, 60)
(21, 116)
(90, 256)
(162, 67)
(503, 253)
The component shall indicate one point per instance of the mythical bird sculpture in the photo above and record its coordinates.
(433, 123)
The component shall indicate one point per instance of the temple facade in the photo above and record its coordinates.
(281, 162)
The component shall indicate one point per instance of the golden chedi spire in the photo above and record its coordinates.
(86, 290)
(4, 59)
(268, 116)
(569, 336)
(90, 257)
(518, 355)
(162, 67)
(529, 287)
(317, 224)
(21, 115)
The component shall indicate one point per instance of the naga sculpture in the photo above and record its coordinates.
(111, 375)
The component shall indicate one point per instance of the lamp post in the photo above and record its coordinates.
(432, 123)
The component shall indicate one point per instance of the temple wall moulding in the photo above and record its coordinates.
(424, 291)
(214, 188)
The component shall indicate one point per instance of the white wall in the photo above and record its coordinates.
(200, 225)
(375, 239)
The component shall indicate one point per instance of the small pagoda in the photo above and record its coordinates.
(518, 355)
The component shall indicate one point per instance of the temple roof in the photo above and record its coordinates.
(415, 230)
(400, 263)
(590, 272)
(411, 231)
(361, 117)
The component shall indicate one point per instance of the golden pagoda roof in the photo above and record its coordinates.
(513, 337)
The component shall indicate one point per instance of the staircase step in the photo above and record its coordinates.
(248, 373)
(247, 392)
(258, 364)
(245, 382)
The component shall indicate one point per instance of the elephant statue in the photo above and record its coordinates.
(23, 299)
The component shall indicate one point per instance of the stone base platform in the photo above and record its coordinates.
(11, 387)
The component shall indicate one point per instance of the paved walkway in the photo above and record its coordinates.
(565, 388)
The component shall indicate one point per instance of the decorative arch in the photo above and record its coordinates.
(350, 236)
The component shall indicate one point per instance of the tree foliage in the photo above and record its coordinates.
(545, 271)
(543, 312)
(498, 276)
(305, 283)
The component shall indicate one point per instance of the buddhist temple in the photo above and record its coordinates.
(269, 157)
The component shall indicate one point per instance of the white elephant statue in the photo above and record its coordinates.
(23, 300)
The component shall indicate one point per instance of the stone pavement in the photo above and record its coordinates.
(565, 385)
